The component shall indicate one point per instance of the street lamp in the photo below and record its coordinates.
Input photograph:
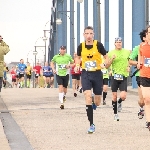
(80, 1)
(34, 53)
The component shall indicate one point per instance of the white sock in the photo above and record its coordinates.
(80, 88)
(61, 97)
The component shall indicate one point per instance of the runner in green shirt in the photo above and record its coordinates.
(120, 71)
(63, 63)
(134, 61)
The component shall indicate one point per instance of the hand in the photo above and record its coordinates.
(54, 71)
(102, 66)
(128, 69)
(113, 57)
(110, 73)
(77, 69)
(67, 66)
(139, 66)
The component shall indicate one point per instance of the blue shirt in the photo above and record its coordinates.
(47, 71)
(21, 68)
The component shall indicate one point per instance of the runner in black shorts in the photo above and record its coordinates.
(91, 52)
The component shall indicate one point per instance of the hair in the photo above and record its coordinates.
(143, 34)
(147, 28)
(88, 28)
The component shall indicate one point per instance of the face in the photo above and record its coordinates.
(88, 35)
(46, 63)
(0, 38)
(75, 55)
(62, 51)
(148, 35)
(28, 64)
(118, 44)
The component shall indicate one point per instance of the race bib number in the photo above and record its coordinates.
(90, 66)
(118, 77)
(21, 72)
(147, 62)
(104, 71)
(63, 66)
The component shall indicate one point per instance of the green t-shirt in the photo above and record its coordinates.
(120, 63)
(61, 62)
(134, 55)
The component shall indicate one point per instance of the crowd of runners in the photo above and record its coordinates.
(90, 69)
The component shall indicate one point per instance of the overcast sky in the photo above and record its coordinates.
(21, 23)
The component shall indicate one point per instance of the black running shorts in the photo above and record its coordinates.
(62, 80)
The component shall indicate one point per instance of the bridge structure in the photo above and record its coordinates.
(69, 17)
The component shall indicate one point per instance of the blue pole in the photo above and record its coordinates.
(107, 25)
(86, 13)
(121, 20)
(78, 23)
(95, 25)
(72, 38)
(138, 23)
(64, 23)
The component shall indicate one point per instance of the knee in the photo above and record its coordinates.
(114, 96)
(123, 96)
(147, 101)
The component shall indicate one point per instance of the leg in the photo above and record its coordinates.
(105, 88)
(1, 81)
(114, 88)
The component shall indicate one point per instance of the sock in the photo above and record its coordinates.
(89, 111)
(120, 100)
(141, 108)
(27, 83)
(114, 107)
(61, 97)
(104, 95)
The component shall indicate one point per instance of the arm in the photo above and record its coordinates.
(133, 58)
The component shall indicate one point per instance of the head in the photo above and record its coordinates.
(143, 35)
(28, 64)
(1, 38)
(21, 61)
(4, 64)
(46, 63)
(118, 43)
(13, 68)
(88, 34)
(75, 55)
(148, 33)
(38, 64)
(62, 50)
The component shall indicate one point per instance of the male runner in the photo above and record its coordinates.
(90, 52)
(28, 74)
(63, 63)
(120, 71)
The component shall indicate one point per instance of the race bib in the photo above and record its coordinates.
(104, 71)
(147, 62)
(21, 72)
(90, 66)
(118, 77)
(63, 66)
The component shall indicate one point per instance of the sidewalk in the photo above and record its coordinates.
(4, 145)
(46, 127)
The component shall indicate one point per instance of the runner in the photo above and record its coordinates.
(5, 75)
(144, 66)
(28, 74)
(37, 70)
(22, 69)
(13, 77)
(105, 82)
(75, 78)
(120, 71)
(47, 72)
(63, 63)
(90, 52)
(134, 61)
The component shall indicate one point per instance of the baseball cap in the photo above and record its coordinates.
(1, 36)
(118, 39)
(62, 47)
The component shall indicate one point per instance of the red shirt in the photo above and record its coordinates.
(13, 74)
(37, 68)
(72, 70)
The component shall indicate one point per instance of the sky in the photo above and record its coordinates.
(22, 23)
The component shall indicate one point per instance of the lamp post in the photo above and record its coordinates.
(42, 50)
(34, 53)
